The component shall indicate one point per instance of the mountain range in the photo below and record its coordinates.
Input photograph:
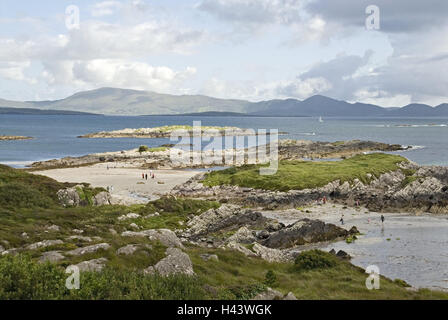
(113, 101)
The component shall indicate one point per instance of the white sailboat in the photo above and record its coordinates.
(321, 120)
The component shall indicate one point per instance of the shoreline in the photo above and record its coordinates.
(390, 246)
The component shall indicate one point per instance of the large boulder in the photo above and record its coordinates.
(165, 236)
(227, 216)
(95, 265)
(69, 197)
(51, 256)
(102, 199)
(271, 255)
(176, 262)
(304, 231)
(88, 249)
(44, 244)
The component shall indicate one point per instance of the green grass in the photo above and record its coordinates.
(298, 175)
(339, 280)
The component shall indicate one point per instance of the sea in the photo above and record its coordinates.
(55, 136)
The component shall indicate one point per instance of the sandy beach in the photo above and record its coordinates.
(127, 184)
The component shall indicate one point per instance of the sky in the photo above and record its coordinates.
(240, 49)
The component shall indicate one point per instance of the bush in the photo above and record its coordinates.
(15, 195)
(143, 149)
(23, 279)
(314, 259)
(270, 279)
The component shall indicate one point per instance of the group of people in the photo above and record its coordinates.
(151, 175)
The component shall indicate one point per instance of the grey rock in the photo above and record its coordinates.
(44, 244)
(208, 257)
(51, 256)
(176, 262)
(80, 238)
(54, 228)
(304, 231)
(271, 255)
(290, 296)
(243, 235)
(102, 199)
(95, 265)
(1, 249)
(269, 294)
(128, 216)
(227, 216)
(128, 250)
(88, 249)
(69, 197)
(165, 236)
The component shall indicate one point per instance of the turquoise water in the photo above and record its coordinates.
(55, 136)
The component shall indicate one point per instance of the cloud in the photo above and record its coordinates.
(397, 16)
(105, 8)
(15, 71)
(254, 11)
(116, 73)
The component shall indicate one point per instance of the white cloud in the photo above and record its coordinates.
(116, 73)
(105, 8)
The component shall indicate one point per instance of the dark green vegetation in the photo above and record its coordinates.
(298, 175)
(314, 259)
(20, 189)
(315, 275)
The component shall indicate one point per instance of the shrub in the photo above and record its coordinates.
(314, 259)
(17, 195)
(270, 279)
(23, 279)
(143, 149)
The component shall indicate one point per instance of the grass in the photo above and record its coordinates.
(339, 280)
(299, 175)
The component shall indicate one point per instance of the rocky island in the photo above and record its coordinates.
(166, 132)
(8, 138)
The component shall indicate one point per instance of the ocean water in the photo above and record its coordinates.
(56, 136)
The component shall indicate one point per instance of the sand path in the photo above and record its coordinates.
(127, 184)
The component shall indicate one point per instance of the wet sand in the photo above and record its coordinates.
(127, 184)
(406, 246)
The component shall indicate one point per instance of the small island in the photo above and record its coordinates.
(8, 138)
(166, 131)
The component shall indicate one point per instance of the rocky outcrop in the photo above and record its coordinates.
(128, 250)
(304, 231)
(165, 236)
(272, 255)
(95, 265)
(227, 216)
(426, 190)
(102, 199)
(69, 197)
(271, 294)
(88, 249)
(44, 244)
(176, 262)
(51, 256)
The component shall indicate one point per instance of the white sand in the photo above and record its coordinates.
(127, 184)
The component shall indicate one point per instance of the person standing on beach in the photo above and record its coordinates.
(382, 219)
(143, 176)
(146, 177)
